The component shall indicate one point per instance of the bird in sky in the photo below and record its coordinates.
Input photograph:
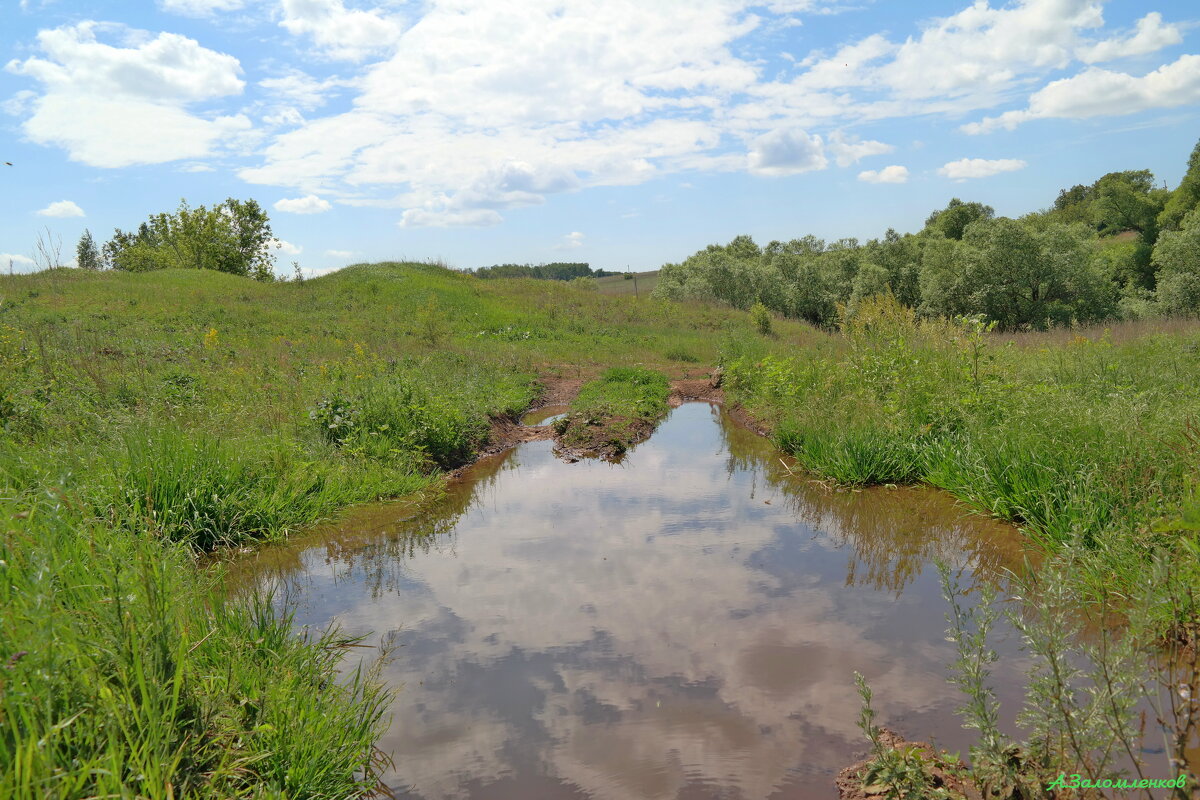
(8, 163)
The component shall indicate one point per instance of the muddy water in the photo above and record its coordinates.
(682, 625)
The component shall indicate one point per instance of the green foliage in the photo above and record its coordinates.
(761, 317)
(634, 392)
(895, 773)
(547, 272)
(233, 236)
(615, 410)
(1177, 259)
(1017, 277)
(150, 416)
(87, 254)
(952, 221)
(125, 676)
(1186, 196)
(1073, 441)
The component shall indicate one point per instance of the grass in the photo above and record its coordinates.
(615, 410)
(620, 285)
(148, 418)
(1085, 438)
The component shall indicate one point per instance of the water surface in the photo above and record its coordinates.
(683, 624)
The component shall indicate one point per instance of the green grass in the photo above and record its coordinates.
(620, 285)
(1079, 439)
(149, 417)
(615, 410)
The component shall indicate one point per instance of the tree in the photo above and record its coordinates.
(1016, 276)
(87, 254)
(1185, 197)
(1127, 201)
(953, 220)
(1177, 259)
(233, 236)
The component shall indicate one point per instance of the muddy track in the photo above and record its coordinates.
(507, 432)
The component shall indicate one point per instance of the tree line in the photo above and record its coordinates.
(233, 236)
(1119, 248)
(557, 271)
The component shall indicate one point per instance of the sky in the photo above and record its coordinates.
(622, 134)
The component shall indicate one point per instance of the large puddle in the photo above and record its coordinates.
(684, 624)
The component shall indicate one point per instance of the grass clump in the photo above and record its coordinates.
(614, 411)
(122, 676)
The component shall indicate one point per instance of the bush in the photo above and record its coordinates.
(761, 317)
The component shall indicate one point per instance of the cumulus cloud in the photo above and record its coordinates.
(61, 208)
(15, 262)
(309, 204)
(470, 110)
(116, 106)
(786, 152)
(1100, 92)
(1149, 36)
(571, 241)
(340, 32)
(300, 89)
(849, 150)
(892, 174)
(200, 8)
(285, 247)
(438, 218)
(983, 48)
(966, 168)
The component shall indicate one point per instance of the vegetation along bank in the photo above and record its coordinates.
(1043, 370)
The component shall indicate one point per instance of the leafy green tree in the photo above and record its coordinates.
(1185, 197)
(953, 220)
(1016, 276)
(87, 254)
(233, 236)
(1127, 201)
(1177, 259)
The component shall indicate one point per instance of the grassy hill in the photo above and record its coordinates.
(618, 284)
(148, 418)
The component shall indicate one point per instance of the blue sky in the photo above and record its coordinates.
(618, 133)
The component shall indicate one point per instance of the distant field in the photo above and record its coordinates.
(617, 284)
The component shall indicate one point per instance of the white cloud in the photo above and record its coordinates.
(984, 49)
(1150, 35)
(285, 247)
(571, 241)
(200, 8)
(966, 168)
(847, 151)
(309, 204)
(115, 106)
(61, 208)
(341, 253)
(433, 218)
(892, 174)
(16, 262)
(301, 89)
(1100, 92)
(340, 32)
(197, 167)
(471, 109)
(786, 152)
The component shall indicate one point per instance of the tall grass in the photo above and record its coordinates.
(122, 676)
(1083, 440)
(148, 417)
